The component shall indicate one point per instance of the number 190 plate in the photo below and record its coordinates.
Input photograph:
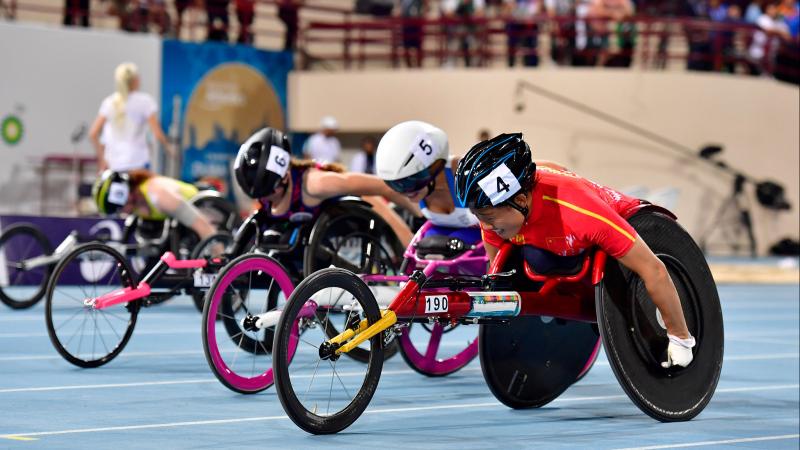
(435, 304)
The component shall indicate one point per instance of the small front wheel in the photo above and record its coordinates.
(82, 334)
(321, 392)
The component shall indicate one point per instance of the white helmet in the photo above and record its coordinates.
(409, 154)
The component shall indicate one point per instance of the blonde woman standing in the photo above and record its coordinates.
(123, 120)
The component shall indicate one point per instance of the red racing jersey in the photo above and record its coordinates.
(569, 214)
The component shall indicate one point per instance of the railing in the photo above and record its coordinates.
(336, 36)
(644, 42)
(134, 16)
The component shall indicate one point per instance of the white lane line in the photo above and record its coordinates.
(121, 357)
(726, 441)
(493, 404)
(773, 356)
(105, 386)
(145, 332)
(194, 381)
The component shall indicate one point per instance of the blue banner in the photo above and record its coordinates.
(214, 96)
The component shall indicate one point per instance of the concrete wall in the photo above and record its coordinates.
(755, 119)
(53, 80)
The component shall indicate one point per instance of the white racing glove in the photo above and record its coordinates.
(679, 351)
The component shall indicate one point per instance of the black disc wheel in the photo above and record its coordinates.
(634, 334)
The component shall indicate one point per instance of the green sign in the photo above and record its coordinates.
(11, 129)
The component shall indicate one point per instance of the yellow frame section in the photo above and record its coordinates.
(363, 332)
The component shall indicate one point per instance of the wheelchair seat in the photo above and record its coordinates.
(544, 262)
(438, 246)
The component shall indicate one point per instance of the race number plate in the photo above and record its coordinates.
(435, 304)
(203, 279)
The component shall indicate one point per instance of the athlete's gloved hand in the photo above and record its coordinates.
(679, 351)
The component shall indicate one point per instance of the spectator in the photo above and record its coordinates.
(180, 7)
(323, 146)
(76, 12)
(592, 33)
(562, 37)
(217, 25)
(767, 39)
(364, 160)
(717, 10)
(159, 17)
(787, 8)
(289, 15)
(128, 113)
(726, 45)
(790, 10)
(522, 31)
(460, 29)
(245, 13)
(412, 13)
(615, 16)
(754, 10)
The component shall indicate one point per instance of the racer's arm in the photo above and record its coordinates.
(323, 184)
(94, 136)
(596, 221)
(652, 271)
(172, 204)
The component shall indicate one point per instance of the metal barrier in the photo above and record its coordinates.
(332, 35)
(644, 42)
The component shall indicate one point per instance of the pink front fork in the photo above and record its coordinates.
(129, 294)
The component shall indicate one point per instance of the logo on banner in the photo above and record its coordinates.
(226, 106)
(11, 129)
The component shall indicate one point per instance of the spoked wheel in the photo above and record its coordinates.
(438, 350)
(239, 319)
(356, 239)
(82, 334)
(320, 391)
(211, 246)
(22, 286)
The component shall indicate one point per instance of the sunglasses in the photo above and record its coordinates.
(419, 180)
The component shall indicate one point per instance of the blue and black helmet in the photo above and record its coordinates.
(494, 171)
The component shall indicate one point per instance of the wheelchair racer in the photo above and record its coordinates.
(150, 197)
(284, 185)
(413, 158)
(556, 215)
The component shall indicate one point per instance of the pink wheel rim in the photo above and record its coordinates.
(429, 363)
(265, 379)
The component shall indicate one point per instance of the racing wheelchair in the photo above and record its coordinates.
(537, 330)
(30, 258)
(269, 257)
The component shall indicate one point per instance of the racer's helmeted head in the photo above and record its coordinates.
(262, 164)
(410, 156)
(494, 180)
(111, 192)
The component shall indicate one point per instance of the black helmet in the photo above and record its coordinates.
(262, 162)
(111, 191)
(493, 171)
